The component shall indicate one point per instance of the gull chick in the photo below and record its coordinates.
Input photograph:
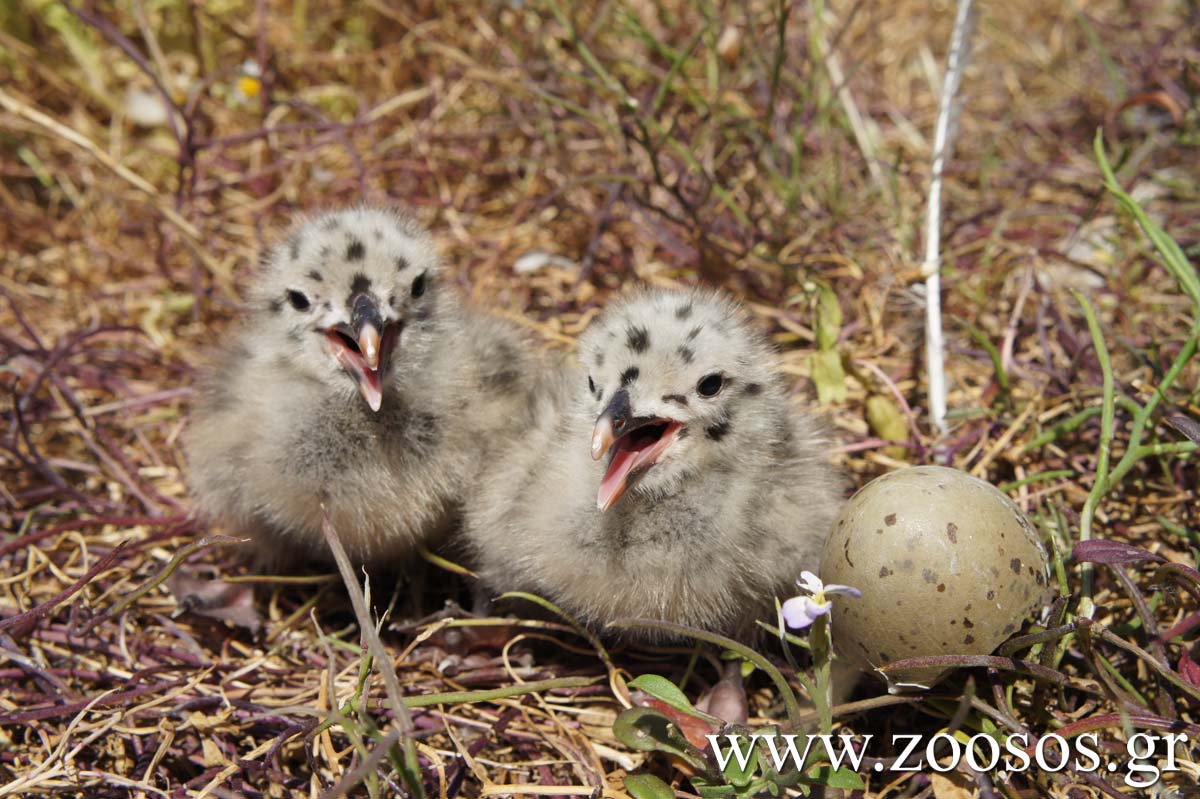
(669, 478)
(360, 382)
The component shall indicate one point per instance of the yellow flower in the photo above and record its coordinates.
(249, 82)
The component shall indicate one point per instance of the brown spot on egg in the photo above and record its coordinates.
(915, 552)
(1015, 565)
(970, 639)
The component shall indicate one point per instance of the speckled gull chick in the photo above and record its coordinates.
(359, 380)
(669, 478)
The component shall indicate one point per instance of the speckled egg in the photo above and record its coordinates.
(947, 564)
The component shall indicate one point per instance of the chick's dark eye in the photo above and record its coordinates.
(298, 300)
(418, 285)
(710, 385)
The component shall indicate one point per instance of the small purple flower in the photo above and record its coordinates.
(801, 611)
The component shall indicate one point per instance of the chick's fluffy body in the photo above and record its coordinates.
(279, 427)
(727, 519)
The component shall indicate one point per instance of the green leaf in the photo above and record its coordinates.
(737, 776)
(825, 367)
(663, 689)
(647, 786)
(646, 730)
(887, 422)
(842, 778)
(827, 318)
(1171, 253)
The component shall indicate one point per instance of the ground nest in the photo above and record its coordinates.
(561, 153)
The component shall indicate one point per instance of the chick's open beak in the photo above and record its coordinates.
(636, 444)
(612, 423)
(368, 344)
(364, 347)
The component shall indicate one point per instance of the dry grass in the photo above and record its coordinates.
(625, 140)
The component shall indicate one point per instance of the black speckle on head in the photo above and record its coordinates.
(629, 375)
(719, 430)
(377, 234)
(401, 263)
(355, 250)
(599, 360)
(332, 223)
(392, 301)
(678, 399)
(693, 333)
(683, 311)
(328, 305)
(686, 354)
(325, 253)
(294, 247)
(754, 389)
(317, 276)
(360, 284)
(683, 432)
(638, 339)
(275, 306)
